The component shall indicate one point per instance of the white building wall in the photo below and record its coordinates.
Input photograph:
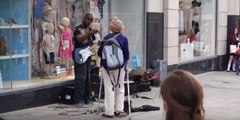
(222, 14)
(233, 6)
(171, 31)
(170, 9)
(154, 6)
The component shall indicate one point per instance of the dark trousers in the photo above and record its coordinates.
(82, 82)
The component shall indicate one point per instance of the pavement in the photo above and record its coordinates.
(221, 102)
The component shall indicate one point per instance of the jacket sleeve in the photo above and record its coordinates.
(232, 40)
(126, 50)
(99, 52)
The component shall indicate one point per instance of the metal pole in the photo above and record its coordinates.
(129, 102)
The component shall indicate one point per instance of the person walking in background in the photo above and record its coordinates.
(233, 40)
(182, 97)
(83, 37)
(114, 79)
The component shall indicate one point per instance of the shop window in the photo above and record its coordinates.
(197, 19)
(14, 42)
(22, 32)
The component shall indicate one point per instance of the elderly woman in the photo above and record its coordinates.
(114, 98)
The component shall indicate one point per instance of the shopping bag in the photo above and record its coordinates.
(233, 48)
(186, 50)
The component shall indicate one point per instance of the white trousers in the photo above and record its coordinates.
(114, 99)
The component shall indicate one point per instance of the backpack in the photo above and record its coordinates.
(112, 54)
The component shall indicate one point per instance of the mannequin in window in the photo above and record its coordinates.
(47, 18)
(187, 15)
(181, 18)
(196, 10)
(65, 49)
(48, 42)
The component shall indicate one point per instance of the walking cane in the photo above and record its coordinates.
(129, 102)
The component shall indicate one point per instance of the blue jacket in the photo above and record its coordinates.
(123, 41)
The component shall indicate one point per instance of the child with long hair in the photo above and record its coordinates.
(182, 97)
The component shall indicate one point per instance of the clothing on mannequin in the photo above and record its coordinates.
(181, 21)
(45, 36)
(65, 49)
(48, 42)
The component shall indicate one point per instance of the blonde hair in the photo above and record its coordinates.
(116, 25)
(65, 21)
(50, 27)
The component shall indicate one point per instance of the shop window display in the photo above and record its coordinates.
(62, 18)
(24, 32)
(14, 42)
(64, 15)
(196, 28)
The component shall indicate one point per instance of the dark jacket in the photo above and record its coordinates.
(76, 32)
(233, 40)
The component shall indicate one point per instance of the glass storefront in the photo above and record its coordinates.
(197, 24)
(14, 42)
(22, 26)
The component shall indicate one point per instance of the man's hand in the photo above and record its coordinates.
(95, 41)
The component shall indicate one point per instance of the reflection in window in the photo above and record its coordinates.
(196, 28)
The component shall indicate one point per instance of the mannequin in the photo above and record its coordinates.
(48, 42)
(181, 18)
(65, 49)
(47, 18)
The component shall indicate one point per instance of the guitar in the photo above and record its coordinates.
(82, 54)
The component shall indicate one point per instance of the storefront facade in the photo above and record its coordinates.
(23, 59)
(198, 41)
(188, 34)
(22, 27)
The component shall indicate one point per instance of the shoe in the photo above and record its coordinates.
(120, 114)
(89, 102)
(82, 105)
(107, 116)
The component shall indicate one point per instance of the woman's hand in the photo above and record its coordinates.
(92, 32)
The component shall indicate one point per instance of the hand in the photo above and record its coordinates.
(95, 41)
(126, 67)
(92, 32)
(60, 27)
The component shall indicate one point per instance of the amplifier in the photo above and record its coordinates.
(67, 95)
(161, 67)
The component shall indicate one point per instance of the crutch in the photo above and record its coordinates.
(99, 93)
(128, 96)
